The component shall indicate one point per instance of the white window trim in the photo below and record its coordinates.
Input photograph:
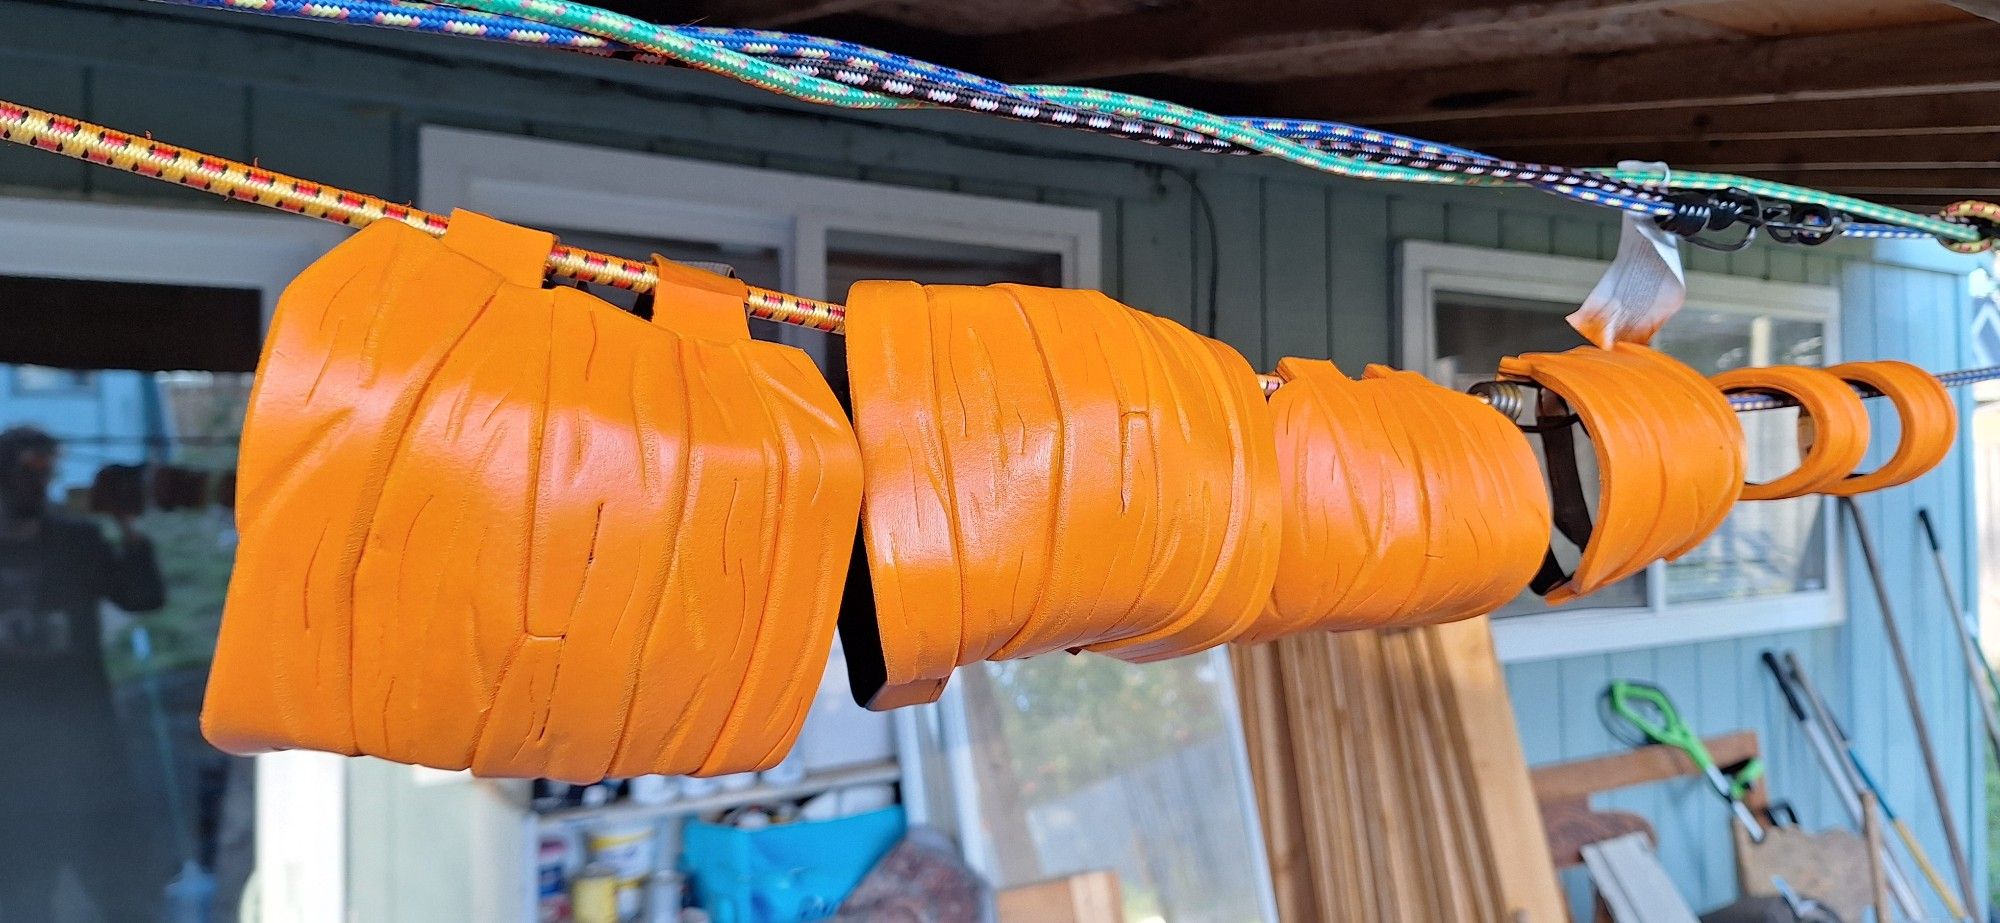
(1428, 268)
(301, 797)
(553, 183)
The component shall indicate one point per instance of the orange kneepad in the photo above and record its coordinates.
(1405, 503)
(1839, 425)
(1669, 455)
(1048, 469)
(1929, 423)
(491, 525)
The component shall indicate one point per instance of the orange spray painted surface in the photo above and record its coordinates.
(1928, 420)
(1405, 503)
(1048, 469)
(1838, 425)
(492, 525)
(1669, 454)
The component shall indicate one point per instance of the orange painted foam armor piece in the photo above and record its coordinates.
(1405, 503)
(1839, 425)
(1669, 454)
(1929, 423)
(491, 525)
(1048, 469)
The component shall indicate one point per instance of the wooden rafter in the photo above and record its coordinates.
(1957, 151)
(767, 14)
(1194, 35)
(1917, 60)
(1932, 115)
(1984, 9)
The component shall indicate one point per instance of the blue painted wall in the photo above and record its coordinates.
(1303, 266)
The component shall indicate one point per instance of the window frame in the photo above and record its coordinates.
(86, 388)
(301, 796)
(1426, 268)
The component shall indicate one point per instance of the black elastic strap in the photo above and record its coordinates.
(1569, 507)
(860, 635)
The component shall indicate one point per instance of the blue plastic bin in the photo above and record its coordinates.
(787, 873)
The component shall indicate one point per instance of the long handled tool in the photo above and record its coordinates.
(1853, 784)
(1975, 662)
(1647, 708)
(1908, 680)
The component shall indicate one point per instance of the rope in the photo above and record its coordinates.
(81, 140)
(834, 73)
(664, 40)
(242, 182)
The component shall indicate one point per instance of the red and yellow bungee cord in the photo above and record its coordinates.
(243, 182)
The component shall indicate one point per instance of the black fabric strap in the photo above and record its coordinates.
(1570, 509)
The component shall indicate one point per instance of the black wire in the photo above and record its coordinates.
(1213, 310)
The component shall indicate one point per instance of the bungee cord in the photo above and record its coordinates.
(843, 74)
(81, 140)
(109, 147)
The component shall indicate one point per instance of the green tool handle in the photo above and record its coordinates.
(1671, 730)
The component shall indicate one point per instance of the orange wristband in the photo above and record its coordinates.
(1406, 503)
(1048, 469)
(1669, 459)
(1839, 425)
(1929, 423)
(491, 525)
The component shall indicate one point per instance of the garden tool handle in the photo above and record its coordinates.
(1930, 533)
(1673, 732)
(1670, 731)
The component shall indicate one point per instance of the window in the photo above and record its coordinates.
(157, 316)
(1768, 567)
(39, 380)
(1039, 767)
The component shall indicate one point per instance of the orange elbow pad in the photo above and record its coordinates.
(1405, 503)
(491, 525)
(1669, 459)
(1839, 425)
(1928, 416)
(1047, 469)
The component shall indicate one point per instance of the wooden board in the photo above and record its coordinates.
(1391, 783)
(1086, 897)
(1484, 722)
(1632, 882)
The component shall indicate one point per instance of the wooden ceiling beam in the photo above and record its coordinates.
(1191, 35)
(1879, 183)
(767, 14)
(1928, 115)
(1957, 151)
(1984, 9)
(1881, 63)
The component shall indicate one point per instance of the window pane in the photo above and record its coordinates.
(1766, 547)
(112, 806)
(1763, 548)
(1088, 763)
(40, 379)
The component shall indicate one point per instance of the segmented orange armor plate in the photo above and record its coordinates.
(1928, 423)
(487, 524)
(1669, 454)
(1048, 469)
(1405, 503)
(1837, 420)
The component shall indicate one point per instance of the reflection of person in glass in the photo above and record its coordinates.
(69, 823)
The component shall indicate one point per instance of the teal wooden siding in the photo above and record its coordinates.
(1304, 265)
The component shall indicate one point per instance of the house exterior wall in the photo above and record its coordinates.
(1303, 265)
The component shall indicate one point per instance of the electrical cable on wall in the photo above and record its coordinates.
(843, 74)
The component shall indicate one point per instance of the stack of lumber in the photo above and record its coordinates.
(1390, 779)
